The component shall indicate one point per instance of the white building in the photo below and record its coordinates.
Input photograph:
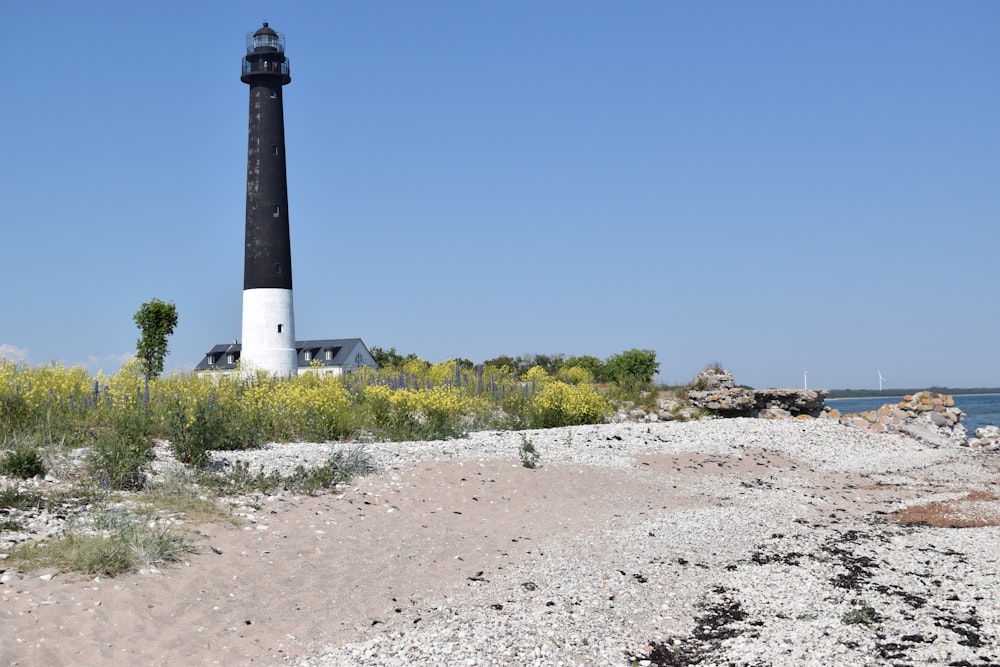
(331, 356)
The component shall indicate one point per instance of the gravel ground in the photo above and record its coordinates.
(779, 544)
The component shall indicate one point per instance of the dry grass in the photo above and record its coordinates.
(977, 509)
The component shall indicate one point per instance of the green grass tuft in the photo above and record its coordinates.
(22, 462)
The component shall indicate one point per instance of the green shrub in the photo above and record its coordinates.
(119, 462)
(528, 454)
(351, 462)
(632, 367)
(121, 455)
(214, 425)
(15, 414)
(340, 468)
(22, 462)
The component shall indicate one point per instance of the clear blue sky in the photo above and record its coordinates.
(779, 186)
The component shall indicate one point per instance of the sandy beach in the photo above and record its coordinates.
(716, 542)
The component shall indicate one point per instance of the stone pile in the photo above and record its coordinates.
(927, 416)
(715, 391)
(987, 438)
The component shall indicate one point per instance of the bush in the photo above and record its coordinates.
(15, 414)
(120, 462)
(122, 454)
(560, 404)
(632, 367)
(22, 462)
(212, 423)
(576, 375)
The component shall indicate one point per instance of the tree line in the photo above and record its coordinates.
(630, 367)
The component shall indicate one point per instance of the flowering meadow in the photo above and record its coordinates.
(118, 415)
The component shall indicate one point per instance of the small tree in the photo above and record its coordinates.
(156, 320)
(632, 367)
(386, 358)
(390, 358)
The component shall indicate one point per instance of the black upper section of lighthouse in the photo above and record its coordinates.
(267, 260)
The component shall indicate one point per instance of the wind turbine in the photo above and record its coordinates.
(805, 380)
(880, 380)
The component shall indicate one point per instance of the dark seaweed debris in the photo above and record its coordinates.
(721, 620)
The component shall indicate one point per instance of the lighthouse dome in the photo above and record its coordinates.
(265, 39)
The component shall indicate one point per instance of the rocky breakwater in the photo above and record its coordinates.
(927, 416)
(716, 392)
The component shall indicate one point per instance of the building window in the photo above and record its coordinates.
(276, 210)
(308, 355)
(279, 328)
(230, 359)
(211, 359)
(274, 149)
(329, 355)
(357, 358)
(274, 92)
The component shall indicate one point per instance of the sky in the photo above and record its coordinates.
(782, 187)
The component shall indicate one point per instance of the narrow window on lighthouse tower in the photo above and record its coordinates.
(277, 210)
(279, 328)
(274, 149)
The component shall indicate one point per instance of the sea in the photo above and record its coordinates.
(979, 409)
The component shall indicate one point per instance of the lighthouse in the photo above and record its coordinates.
(268, 318)
(269, 343)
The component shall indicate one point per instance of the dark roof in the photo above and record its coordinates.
(338, 347)
(218, 357)
(265, 30)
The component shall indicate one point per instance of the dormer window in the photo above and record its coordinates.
(329, 355)
(211, 360)
(308, 355)
(230, 358)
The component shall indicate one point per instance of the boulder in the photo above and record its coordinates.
(926, 416)
(986, 438)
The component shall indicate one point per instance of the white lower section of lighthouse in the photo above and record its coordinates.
(268, 332)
